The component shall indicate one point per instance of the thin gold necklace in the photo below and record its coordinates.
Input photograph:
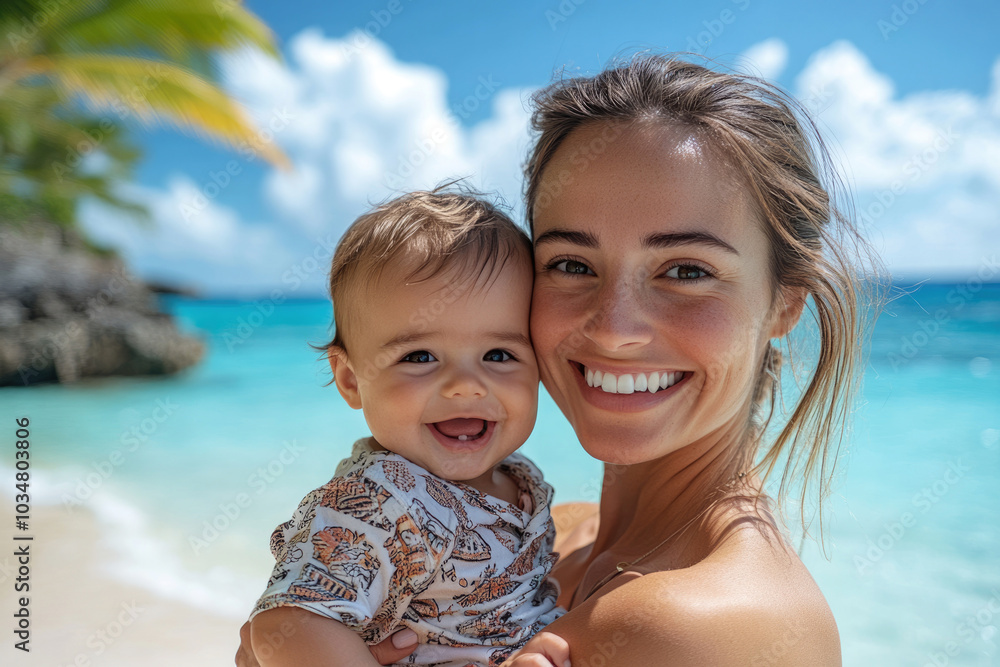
(623, 565)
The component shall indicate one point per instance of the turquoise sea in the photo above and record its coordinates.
(188, 475)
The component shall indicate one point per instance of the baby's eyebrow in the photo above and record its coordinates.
(407, 338)
(411, 337)
(515, 337)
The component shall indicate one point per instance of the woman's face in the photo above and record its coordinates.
(652, 272)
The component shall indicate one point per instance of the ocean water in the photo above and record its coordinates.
(188, 475)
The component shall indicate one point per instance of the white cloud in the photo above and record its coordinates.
(925, 167)
(366, 125)
(766, 59)
(360, 125)
(192, 241)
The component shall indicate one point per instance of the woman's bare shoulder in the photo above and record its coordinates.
(751, 603)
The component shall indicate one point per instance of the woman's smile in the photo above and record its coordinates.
(628, 392)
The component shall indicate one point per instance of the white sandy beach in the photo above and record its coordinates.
(82, 616)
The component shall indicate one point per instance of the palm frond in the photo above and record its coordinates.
(154, 91)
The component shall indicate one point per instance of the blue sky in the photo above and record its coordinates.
(908, 93)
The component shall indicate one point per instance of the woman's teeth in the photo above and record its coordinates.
(631, 383)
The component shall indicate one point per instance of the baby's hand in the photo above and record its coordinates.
(544, 650)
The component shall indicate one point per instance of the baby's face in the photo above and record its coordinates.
(444, 369)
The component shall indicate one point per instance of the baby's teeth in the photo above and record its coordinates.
(626, 385)
(609, 383)
(463, 437)
(640, 382)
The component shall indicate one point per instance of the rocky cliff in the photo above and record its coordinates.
(67, 313)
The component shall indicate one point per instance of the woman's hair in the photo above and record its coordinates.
(423, 233)
(775, 148)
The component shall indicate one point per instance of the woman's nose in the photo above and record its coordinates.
(463, 383)
(617, 320)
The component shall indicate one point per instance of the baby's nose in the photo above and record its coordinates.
(464, 383)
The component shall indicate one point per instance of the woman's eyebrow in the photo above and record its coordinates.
(686, 238)
(585, 239)
(658, 240)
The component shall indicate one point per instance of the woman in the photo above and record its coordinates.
(680, 226)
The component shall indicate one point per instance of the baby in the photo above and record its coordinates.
(434, 523)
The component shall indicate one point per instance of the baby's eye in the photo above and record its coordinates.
(498, 355)
(572, 266)
(686, 272)
(418, 357)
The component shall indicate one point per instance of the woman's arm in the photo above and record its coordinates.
(294, 637)
(576, 525)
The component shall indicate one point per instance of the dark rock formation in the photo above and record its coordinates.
(67, 313)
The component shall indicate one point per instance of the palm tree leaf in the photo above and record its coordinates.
(173, 30)
(154, 91)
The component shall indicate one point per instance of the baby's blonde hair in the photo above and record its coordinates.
(427, 233)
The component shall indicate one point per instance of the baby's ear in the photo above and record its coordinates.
(344, 376)
(789, 303)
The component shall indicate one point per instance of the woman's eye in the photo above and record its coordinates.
(498, 355)
(572, 266)
(419, 357)
(686, 272)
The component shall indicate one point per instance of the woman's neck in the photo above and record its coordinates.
(645, 502)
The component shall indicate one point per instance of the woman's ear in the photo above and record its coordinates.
(788, 305)
(344, 376)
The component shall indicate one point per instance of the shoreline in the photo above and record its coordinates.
(82, 615)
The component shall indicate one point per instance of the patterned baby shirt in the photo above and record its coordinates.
(385, 544)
